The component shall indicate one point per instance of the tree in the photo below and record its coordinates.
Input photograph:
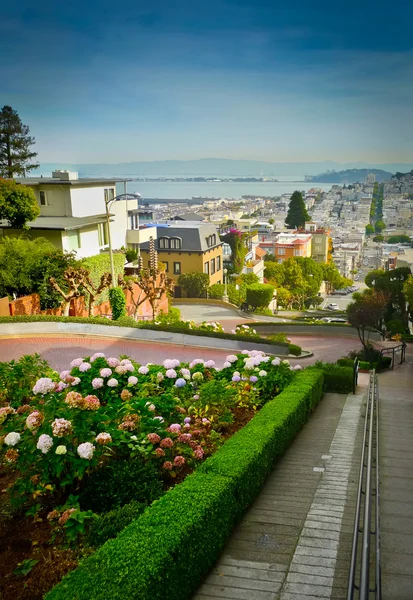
(269, 257)
(271, 221)
(379, 226)
(259, 295)
(408, 293)
(366, 312)
(18, 204)
(248, 279)
(284, 297)
(117, 303)
(378, 238)
(72, 288)
(297, 212)
(195, 285)
(369, 229)
(333, 277)
(274, 273)
(15, 142)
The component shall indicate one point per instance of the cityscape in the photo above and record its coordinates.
(206, 301)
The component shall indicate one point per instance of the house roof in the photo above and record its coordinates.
(260, 252)
(189, 216)
(193, 235)
(66, 223)
(35, 181)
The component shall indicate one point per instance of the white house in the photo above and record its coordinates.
(73, 213)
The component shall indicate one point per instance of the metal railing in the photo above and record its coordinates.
(401, 348)
(364, 580)
(355, 374)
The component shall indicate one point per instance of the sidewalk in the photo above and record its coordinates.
(295, 541)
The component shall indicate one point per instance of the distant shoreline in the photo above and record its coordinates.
(207, 179)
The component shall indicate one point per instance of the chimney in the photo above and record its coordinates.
(65, 175)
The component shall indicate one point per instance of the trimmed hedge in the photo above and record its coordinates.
(337, 378)
(294, 350)
(173, 544)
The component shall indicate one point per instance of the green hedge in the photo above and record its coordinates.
(294, 349)
(337, 378)
(138, 325)
(172, 545)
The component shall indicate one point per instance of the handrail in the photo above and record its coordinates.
(393, 351)
(369, 462)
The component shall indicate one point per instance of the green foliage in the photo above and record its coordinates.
(99, 264)
(346, 362)
(110, 524)
(119, 482)
(18, 377)
(379, 226)
(117, 303)
(248, 279)
(78, 524)
(398, 239)
(369, 229)
(25, 567)
(274, 272)
(378, 238)
(18, 204)
(131, 255)
(235, 296)
(294, 349)
(239, 249)
(15, 142)
(195, 284)
(337, 378)
(297, 212)
(259, 295)
(190, 524)
(395, 326)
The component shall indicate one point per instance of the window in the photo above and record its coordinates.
(176, 243)
(177, 268)
(212, 266)
(280, 260)
(43, 199)
(109, 194)
(281, 251)
(102, 234)
(164, 242)
(297, 252)
(206, 268)
(165, 262)
(73, 239)
(218, 263)
(213, 240)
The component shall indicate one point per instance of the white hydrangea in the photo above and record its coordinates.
(12, 438)
(262, 373)
(231, 358)
(276, 362)
(44, 443)
(298, 368)
(86, 450)
(44, 385)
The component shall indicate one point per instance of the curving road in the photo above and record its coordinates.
(60, 350)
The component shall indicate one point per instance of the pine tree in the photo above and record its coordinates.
(15, 142)
(297, 212)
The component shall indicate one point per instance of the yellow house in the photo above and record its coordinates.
(188, 247)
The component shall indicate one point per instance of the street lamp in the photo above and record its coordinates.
(225, 296)
(108, 203)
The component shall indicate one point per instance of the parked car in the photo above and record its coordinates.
(333, 320)
(332, 306)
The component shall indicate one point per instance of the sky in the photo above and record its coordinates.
(310, 80)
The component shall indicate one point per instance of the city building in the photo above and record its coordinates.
(73, 212)
(320, 242)
(187, 247)
(289, 245)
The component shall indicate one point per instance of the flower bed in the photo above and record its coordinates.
(108, 431)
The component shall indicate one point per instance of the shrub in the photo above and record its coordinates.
(345, 362)
(195, 284)
(175, 541)
(110, 524)
(385, 362)
(117, 303)
(99, 264)
(336, 378)
(131, 255)
(120, 482)
(259, 295)
(395, 326)
(18, 377)
(294, 349)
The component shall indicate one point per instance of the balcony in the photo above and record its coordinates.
(141, 235)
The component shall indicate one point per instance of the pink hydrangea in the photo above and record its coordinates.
(64, 374)
(105, 372)
(276, 362)
(76, 362)
(121, 369)
(154, 438)
(97, 383)
(113, 362)
(210, 364)
(184, 438)
(128, 367)
(231, 358)
(205, 421)
(61, 427)
(196, 361)
(226, 364)
(298, 368)
(187, 420)
(113, 382)
(132, 380)
(159, 452)
(125, 361)
(74, 400)
(97, 355)
(91, 403)
(174, 428)
(85, 366)
(103, 439)
(171, 363)
(61, 386)
(199, 453)
(167, 443)
(179, 461)
(186, 374)
(44, 385)
(75, 381)
(44, 443)
(167, 465)
(143, 370)
(171, 374)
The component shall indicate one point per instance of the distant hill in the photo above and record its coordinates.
(210, 167)
(351, 176)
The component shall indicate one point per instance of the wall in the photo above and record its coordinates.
(54, 236)
(4, 307)
(58, 200)
(89, 200)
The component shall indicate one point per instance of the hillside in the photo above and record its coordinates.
(351, 176)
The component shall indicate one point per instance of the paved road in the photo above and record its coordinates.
(59, 351)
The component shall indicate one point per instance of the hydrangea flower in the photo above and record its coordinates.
(105, 372)
(61, 386)
(113, 362)
(113, 382)
(132, 380)
(171, 363)
(174, 428)
(187, 420)
(167, 465)
(184, 438)
(76, 362)
(61, 450)
(97, 355)
(86, 450)
(195, 396)
(143, 370)
(196, 361)
(226, 364)
(210, 364)
(205, 421)
(154, 438)
(171, 373)
(286, 362)
(91, 403)
(265, 359)
(262, 373)
(253, 379)
(231, 358)
(179, 461)
(61, 427)
(167, 443)
(180, 383)
(44, 443)
(85, 366)
(74, 400)
(44, 385)
(160, 419)
(186, 373)
(64, 374)
(34, 420)
(298, 368)
(276, 362)
(12, 438)
(236, 378)
(103, 438)
(199, 453)
(198, 376)
(159, 452)
(97, 383)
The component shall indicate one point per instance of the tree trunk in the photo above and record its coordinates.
(66, 308)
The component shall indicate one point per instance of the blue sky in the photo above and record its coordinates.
(104, 81)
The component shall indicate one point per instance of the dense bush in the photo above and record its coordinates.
(110, 524)
(99, 264)
(336, 378)
(18, 377)
(259, 295)
(117, 303)
(346, 362)
(235, 296)
(175, 541)
(294, 349)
